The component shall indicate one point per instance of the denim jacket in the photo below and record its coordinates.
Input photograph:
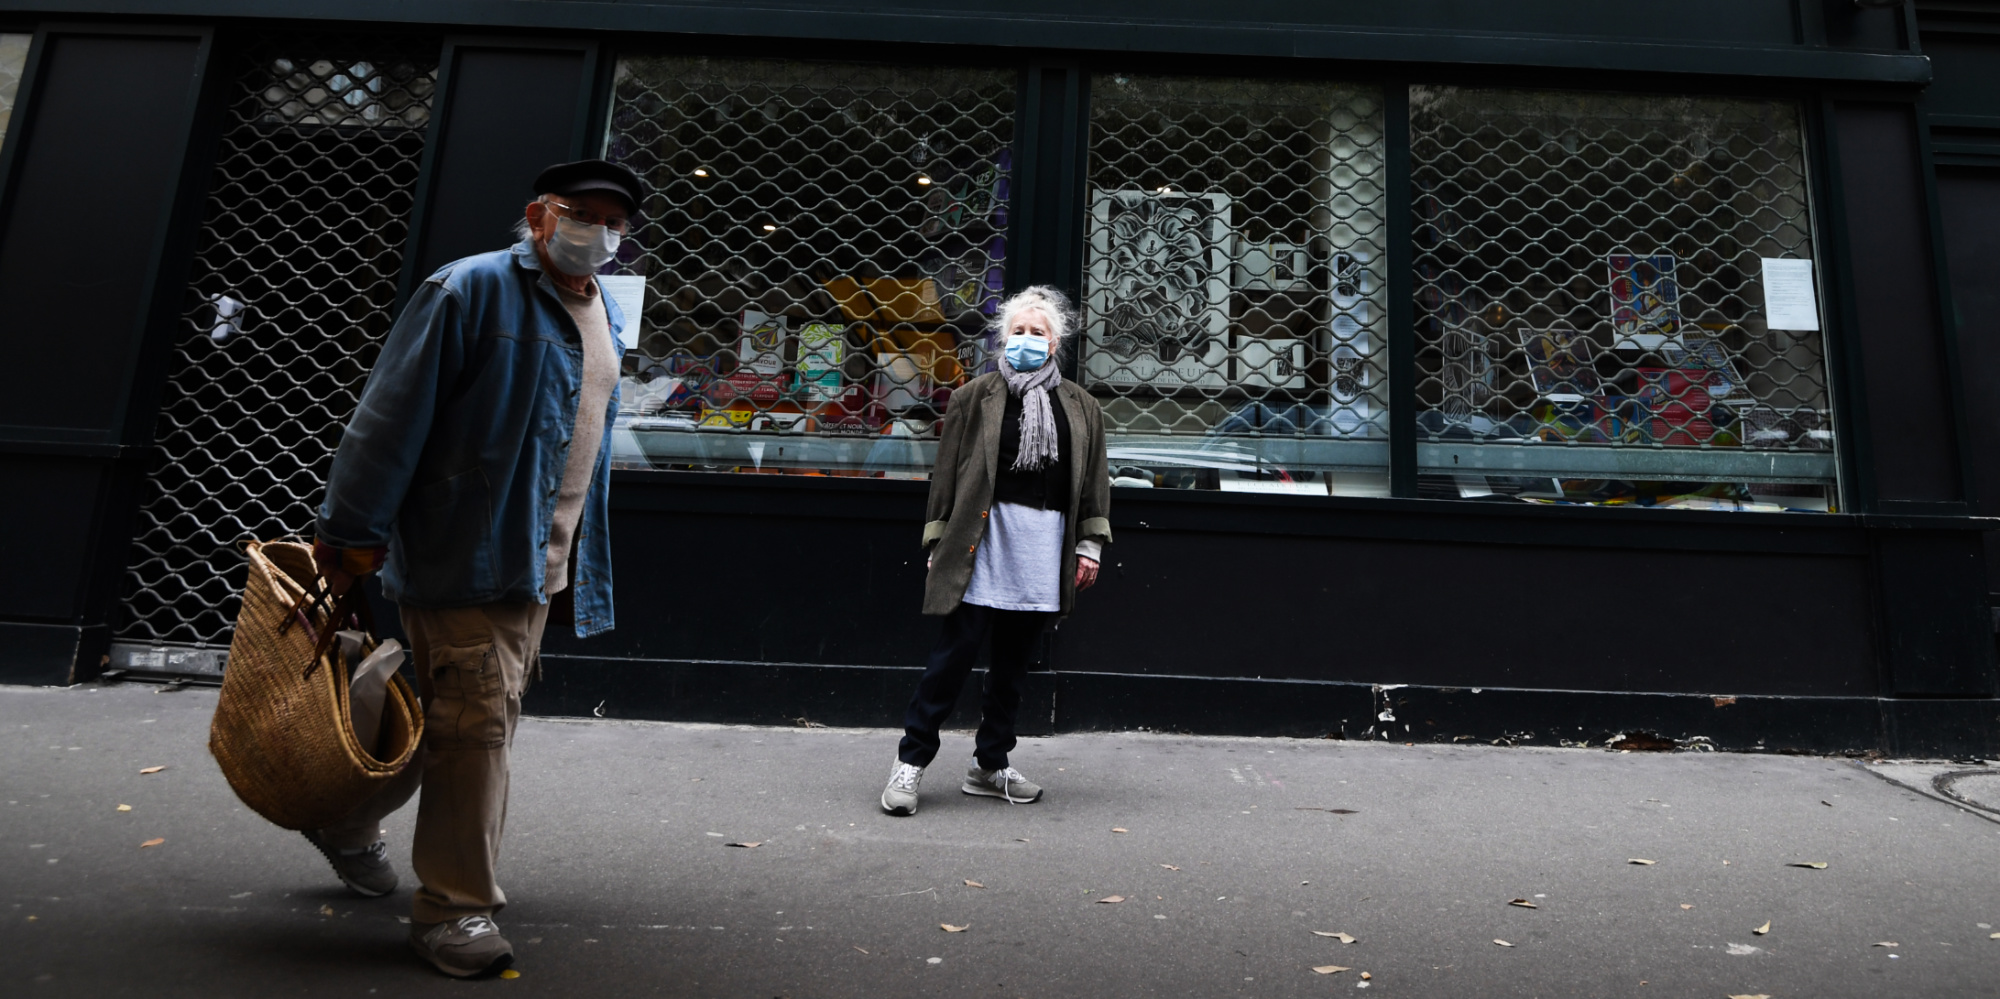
(456, 453)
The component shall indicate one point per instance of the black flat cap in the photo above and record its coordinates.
(591, 175)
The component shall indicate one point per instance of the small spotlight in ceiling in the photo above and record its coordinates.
(768, 227)
(923, 180)
(701, 171)
(1166, 189)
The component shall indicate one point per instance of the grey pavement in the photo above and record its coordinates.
(622, 882)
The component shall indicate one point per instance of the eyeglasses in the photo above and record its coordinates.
(617, 225)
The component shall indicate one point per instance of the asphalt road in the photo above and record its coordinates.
(622, 882)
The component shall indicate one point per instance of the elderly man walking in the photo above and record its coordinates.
(474, 475)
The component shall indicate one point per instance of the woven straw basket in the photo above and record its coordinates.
(282, 732)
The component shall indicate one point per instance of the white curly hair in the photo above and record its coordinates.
(1045, 299)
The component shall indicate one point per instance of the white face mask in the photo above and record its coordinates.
(577, 249)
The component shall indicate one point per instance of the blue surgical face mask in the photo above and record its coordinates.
(1026, 351)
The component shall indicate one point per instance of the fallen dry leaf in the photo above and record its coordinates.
(152, 770)
(1885, 943)
(969, 883)
(1120, 829)
(1995, 936)
(124, 808)
(1329, 969)
(1817, 865)
(510, 974)
(1761, 930)
(1110, 899)
(1366, 975)
(1501, 942)
(1170, 867)
(1641, 861)
(326, 910)
(1336, 934)
(1685, 906)
(857, 948)
(747, 846)
(948, 928)
(1523, 903)
(152, 842)
(1018, 839)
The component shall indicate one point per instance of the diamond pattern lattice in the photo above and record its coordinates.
(1590, 272)
(295, 276)
(1233, 281)
(820, 255)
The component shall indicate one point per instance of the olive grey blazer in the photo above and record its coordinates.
(962, 485)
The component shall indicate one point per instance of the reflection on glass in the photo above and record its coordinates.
(818, 262)
(1594, 302)
(1233, 310)
(13, 59)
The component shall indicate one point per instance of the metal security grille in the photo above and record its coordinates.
(821, 253)
(1234, 267)
(1615, 301)
(294, 279)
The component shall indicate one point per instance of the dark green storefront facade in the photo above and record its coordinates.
(1531, 372)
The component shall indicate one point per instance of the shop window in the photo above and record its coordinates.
(1233, 284)
(820, 255)
(1616, 302)
(13, 59)
(293, 290)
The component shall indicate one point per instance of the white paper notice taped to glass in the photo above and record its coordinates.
(1789, 300)
(629, 291)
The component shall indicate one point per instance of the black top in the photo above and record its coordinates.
(1046, 488)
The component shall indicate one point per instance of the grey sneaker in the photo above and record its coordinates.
(366, 871)
(1005, 782)
(465, 947)
(900, 797)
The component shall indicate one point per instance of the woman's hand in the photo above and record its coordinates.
(1086, 572)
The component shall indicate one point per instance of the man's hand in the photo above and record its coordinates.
(340, 567)
(1086, 572)
(327, 560)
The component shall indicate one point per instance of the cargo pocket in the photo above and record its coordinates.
(468, 707)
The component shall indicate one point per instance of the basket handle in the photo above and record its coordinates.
(353, 603)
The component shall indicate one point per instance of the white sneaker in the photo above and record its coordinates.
(900, 797)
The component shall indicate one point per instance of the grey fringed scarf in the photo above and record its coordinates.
(1038, 419)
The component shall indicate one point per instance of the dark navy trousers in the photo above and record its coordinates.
(966, 629)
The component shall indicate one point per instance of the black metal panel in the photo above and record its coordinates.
(761, 694)
(38, 654)
(1910, 418)
(1469, 614)
(1968, 75)
(504, 111)
(1851, 26)
(50, 510)
(1750, 37)
(1937, 631)
(89, 204)
(1970, 200)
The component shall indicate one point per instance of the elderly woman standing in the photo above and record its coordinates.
(1017, 523)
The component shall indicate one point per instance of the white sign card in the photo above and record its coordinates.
(1789, 300)
(629, 291)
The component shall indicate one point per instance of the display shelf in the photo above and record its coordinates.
(1631, 463)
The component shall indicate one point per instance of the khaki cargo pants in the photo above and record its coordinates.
(472, 666)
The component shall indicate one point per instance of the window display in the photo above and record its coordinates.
(1233, 274)
(822, 252)
(1615, 301)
